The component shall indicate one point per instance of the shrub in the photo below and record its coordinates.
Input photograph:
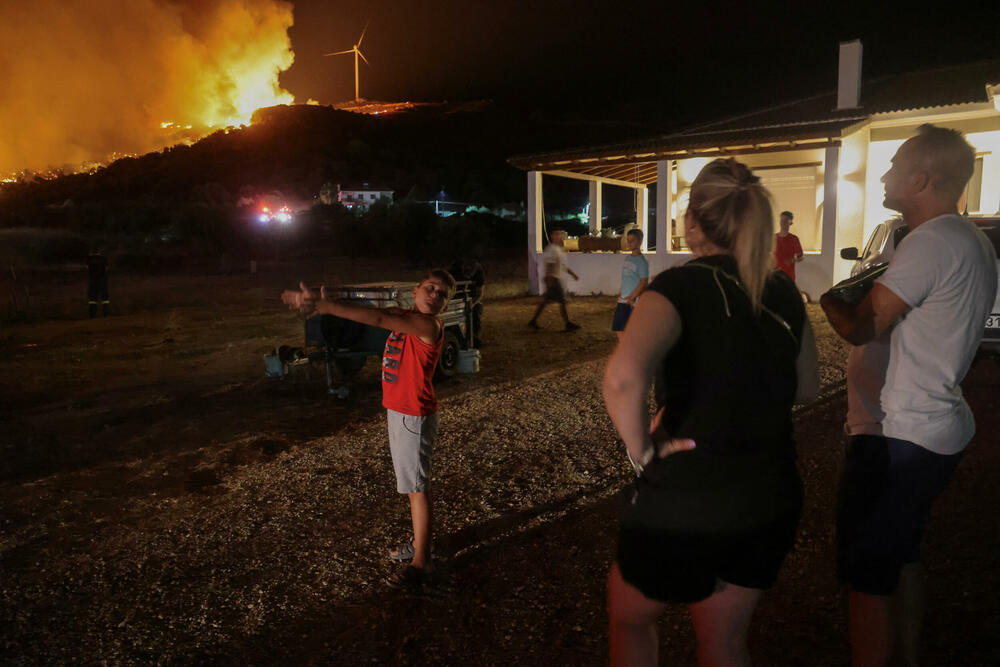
(32, 246)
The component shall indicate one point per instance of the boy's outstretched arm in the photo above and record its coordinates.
(308, 302)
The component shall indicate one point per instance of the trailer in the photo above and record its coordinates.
(343, 346)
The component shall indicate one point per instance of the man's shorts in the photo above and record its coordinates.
(887, 489)
(554, 291)
(685, 568)
(410, 442)
(622, 311)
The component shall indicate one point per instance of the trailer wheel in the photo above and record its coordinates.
(448, 363)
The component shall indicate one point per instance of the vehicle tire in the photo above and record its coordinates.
(448, 363)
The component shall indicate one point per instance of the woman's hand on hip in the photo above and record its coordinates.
(665, 445)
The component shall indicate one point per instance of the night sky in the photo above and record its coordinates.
(88, 80)
(672, 61)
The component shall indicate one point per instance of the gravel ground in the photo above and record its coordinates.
(191, 520)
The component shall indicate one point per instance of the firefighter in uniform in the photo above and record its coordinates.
(97, 283)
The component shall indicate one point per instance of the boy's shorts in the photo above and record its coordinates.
(622, 311)
(685, 568)
(886, 492)
(554, 291)
(410, 442)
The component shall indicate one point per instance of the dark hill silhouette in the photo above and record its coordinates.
(294, 150)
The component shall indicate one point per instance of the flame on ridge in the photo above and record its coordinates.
(82, 80)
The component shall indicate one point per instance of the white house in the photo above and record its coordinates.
(361, 196)
(821, 157)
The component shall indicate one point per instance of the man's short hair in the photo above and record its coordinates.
(947, 158)
(635, 232)
(788, 214)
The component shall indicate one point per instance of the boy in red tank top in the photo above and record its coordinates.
(787, 249)
(408, 363)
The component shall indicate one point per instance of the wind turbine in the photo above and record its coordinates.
(356, 50)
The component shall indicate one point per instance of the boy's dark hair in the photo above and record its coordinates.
(443, 276)
(635, 231)
(788, 214)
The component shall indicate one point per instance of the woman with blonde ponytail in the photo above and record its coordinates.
(717, 495)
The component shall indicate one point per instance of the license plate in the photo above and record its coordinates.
(993, 321)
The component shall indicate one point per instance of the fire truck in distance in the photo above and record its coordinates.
(282, 215)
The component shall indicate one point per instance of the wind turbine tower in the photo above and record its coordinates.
(356, 50)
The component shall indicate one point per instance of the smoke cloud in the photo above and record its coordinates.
(83, 80)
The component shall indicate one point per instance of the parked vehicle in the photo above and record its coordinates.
(991, 335)
(871, 263)
(881, 245)
(345, 345)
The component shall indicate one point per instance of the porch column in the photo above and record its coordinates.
(535, 213)
(596, 204)
(642, 213)
(664, 198)
(828, 249)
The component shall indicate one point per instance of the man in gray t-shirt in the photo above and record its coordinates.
(932, 300)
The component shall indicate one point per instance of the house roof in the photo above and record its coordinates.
(364, 187)
(809, 122)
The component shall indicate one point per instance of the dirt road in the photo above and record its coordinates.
(161, 501)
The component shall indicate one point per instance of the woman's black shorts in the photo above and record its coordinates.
(684, 567)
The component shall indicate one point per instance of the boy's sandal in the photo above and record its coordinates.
(407, 579)
(404, 551)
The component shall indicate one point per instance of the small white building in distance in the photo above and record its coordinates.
(361, 196)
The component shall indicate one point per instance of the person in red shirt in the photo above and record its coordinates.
(411, 356)
(787, 249)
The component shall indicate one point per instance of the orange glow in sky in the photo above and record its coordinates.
(83, 80)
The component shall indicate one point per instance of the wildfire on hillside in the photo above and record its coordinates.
(86, 80)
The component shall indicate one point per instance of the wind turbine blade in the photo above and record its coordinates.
(363, 34)
(363, 58)
(339, 52)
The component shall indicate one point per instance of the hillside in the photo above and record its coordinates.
(461, 149)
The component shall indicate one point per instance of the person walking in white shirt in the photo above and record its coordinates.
(556, 269)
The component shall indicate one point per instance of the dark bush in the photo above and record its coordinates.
(24, 246)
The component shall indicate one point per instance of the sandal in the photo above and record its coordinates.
(404, 552)
(408, 579)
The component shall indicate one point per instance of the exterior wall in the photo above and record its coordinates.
(601, 273)
(778, 172)
(853, 184)
(988, 143)
(816, 277)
